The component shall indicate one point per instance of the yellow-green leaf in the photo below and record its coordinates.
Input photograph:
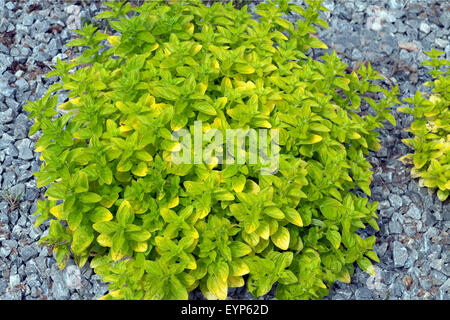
(293, 217)
(281, 238)
(100, 214)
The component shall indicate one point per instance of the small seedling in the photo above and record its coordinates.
(12, 199)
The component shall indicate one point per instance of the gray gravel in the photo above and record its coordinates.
(413, 241)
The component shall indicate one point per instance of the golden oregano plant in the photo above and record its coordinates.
(154, 229)
(431, 129)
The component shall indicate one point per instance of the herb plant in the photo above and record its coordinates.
(157, 230)
(431, 129)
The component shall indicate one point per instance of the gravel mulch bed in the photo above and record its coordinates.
(413, 241)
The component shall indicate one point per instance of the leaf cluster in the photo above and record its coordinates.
(157, 230)
(431, 129)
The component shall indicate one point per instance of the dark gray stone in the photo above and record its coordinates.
(28, 252)
(400, 254)
(395, 227)
(17, 191)
(28, 20)
(60, 291)
(12, 151)
(438, 278)
(6, 116)
(22, 85)
(396, 201)
(363, 294)
(5, 250)
(5, 62)
(444, 19)
(14, 280)
(3, 285)
(414, 212)
(25, 150)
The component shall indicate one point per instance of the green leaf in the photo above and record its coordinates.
(329, 208)
(287, 277)
(229, 171)
(193, 187)
(166, 115)
(62, 256)
(139, 236)
(82, 238)
(165, 92)
(82, 182)
(205, 108)
(443, 195)
(420, 159)
(76, 43)
(90, 197)
(281, 238)
(217, 281)
(238, 183)
(177, 291)
(274, 212)
(342, 83)
(244, 68)
(56, 191)
(105, 174)
(285, 24)
(366, 265)
(125, 214)
(334, 237)
(106, 227)
(316, 43)
(100, 214)
(119, 246)
(74, 219)
(294, 217)
(239, 249)
(372, 255)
